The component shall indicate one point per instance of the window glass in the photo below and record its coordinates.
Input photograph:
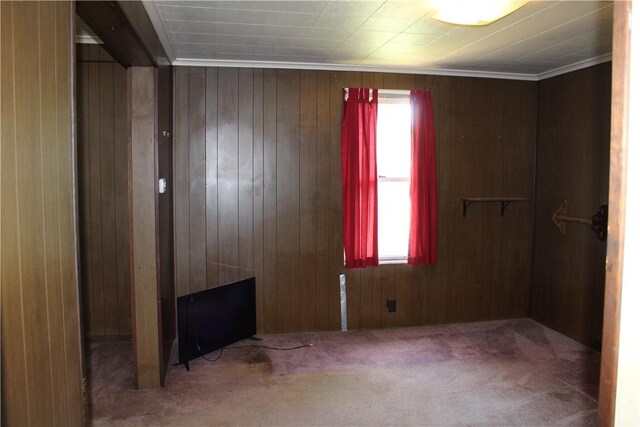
(394, 139)
(393, 163)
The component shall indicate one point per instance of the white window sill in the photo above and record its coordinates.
(387, 261)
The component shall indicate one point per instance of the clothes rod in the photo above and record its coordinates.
(598, 222)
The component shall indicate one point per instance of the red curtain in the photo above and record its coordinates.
(360, 178)
(424, 201)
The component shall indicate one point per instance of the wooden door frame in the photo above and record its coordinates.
(146, 322)
(617, 199)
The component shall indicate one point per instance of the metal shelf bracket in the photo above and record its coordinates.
(504, 202)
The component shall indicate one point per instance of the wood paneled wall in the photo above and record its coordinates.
(258, 192)
(165, 213)
(572, 164)
(41, 355)
(103, 178)
(147, 319)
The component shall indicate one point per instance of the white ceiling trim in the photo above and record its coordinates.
(575, 67)
(404, 70)
(348, 67)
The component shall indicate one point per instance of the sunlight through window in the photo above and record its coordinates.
(394, 163)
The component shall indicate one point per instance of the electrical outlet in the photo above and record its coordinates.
(391, 305)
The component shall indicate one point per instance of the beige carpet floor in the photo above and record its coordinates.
(500, 373)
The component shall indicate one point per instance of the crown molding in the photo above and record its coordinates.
(387, 69)
(575, 66)
(348, 67)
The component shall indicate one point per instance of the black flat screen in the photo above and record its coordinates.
(214, 318)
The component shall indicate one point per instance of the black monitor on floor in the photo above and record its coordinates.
(214, 318)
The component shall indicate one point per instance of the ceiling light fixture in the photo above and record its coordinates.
(472, 12)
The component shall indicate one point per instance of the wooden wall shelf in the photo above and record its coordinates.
(504, 202)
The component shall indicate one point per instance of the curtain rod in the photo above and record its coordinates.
(389, 91)
(382, 92)
(393, 92)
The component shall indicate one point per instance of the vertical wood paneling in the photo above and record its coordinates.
(430, 293)
(416, 278)
(17, 406)
(103, 192)
(181, 181)
(324, 191)
(484, 127)
(375, 285)
(197, 198)
(388, 279)
(30, 222)
(258, 194)
(308, 200)
(287, 199)
(41, 367)
(66, 205)
(84, 195)
(95, 201)
(269, 202)
(573, 164)
(211, 107)
(107, 197)
(228, 174)
(164, 212)
(52, 261)
(245, 173)
(121, 184)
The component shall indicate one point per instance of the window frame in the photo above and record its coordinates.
(388, 96)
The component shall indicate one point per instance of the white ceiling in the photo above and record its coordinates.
(541, 39)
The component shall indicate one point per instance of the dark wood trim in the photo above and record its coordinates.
(534, 191)
(141, 24)
(117, 24)
(130, 221)
(164, 108)
(145, 318)
(617, 196)
(156, 206)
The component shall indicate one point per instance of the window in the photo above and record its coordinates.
(389, 189)
(394, 165)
